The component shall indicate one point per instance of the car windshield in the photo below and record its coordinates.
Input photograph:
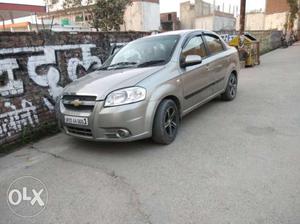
(144, 52)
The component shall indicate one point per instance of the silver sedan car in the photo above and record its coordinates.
(146, 88)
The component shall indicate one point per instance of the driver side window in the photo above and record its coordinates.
(195, 46)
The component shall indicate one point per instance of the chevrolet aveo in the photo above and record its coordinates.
(145, 88)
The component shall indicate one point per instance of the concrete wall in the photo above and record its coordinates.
(202, 15)
(34, 68)
(254, 21)
(202, 8)
(276, 21)
(269, 39)
(224, 23)
(142, 16)
(262, 21)
(215, 23)
(187, 15)
(206, 23)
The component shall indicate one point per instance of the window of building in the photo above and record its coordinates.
(88, 17)
(169, 17)
(214, 44)
(79, 18)
(195, 46)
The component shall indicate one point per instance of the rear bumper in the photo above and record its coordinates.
(106, 123)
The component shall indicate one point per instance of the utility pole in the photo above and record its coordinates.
(242, 16)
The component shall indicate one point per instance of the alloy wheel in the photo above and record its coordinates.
(232, 86)
(170, 121)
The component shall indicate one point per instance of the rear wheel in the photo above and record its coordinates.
(166, 122)
(231, 89)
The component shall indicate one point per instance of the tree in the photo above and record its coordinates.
(68, 4)
(108, 14)
(294, 8)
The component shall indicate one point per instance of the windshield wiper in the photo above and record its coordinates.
(149, 63)
(121, 64)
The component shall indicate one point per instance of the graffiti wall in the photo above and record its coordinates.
(34, 68)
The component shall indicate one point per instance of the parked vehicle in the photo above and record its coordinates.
(146, 88)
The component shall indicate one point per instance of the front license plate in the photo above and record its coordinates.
(77, 120)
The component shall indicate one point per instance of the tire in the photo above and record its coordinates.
(166, 123)
(231, 88)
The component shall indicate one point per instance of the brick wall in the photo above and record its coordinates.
(269, 39)
(276, 6)
(34, 68)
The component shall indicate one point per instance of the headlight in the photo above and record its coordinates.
(125, 96)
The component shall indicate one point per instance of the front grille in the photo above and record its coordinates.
(82, 98)
(79, 108)
(80, 131)
(79, 103)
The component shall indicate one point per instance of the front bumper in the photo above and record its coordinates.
(105, 123)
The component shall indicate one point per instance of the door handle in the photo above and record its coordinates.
(207, 67)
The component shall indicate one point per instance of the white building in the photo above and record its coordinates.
(275, 16)
(263, 21)
(217, 21)
(142, 15)
(203, 15)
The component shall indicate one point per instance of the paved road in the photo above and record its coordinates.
(236, 162)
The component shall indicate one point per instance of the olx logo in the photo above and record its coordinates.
(27, 196)
(23, 196)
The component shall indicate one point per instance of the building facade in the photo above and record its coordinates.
(142, 15)
(203, 15)
(253, 21)
(187, 15)
(276, 6)
(169, 21)
(216, 21)
(276, 16)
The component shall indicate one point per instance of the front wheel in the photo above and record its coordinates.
(231, 89)
(166, 122)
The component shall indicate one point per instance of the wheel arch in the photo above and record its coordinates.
(170, 97)
(155, 107)
(234, 71)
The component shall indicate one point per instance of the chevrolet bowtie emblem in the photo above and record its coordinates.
(76, 103)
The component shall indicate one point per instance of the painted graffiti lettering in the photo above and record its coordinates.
(48, 57)
(43, 69)
(15, 120)
(87, 61)
(12, 87)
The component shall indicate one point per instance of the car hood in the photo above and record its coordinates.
(102, 82)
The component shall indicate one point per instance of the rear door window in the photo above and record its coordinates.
(195, 46)
(214, 44)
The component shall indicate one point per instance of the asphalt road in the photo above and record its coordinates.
(236, 162)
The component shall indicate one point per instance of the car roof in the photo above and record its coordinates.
(183, 32)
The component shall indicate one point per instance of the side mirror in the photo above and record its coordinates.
(191, 60)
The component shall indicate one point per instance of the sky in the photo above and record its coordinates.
(170, 5)
(173, 5)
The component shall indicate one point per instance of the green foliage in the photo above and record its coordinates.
(68, 4)
(294, 8)
(108, 14)
(28, 135)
